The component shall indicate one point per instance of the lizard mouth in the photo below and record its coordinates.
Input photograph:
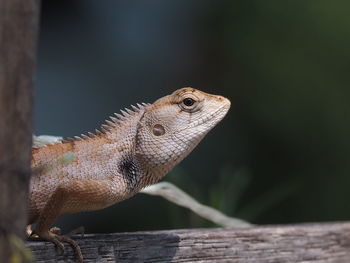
(212, 118)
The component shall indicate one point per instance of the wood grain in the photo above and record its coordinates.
(327, 242)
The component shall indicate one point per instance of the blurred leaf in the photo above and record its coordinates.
(272, 197)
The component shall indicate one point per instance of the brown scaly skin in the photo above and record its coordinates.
(133, 150)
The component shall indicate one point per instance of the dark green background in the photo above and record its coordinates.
(282, 153)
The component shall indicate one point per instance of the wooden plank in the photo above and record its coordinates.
(325, 242)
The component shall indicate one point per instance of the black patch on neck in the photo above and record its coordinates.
(130, 171)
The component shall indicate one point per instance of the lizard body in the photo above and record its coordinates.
(135, 149)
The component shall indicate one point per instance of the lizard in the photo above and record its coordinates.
(132, 150)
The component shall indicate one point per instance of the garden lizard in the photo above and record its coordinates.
(134, 149)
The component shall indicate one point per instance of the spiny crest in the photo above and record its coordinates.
(115, 121)
(118, 118)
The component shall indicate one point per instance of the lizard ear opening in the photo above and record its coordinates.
(158, 130)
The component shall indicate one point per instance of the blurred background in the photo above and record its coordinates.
(282, 153)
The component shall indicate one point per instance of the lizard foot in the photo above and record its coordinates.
(54, 236)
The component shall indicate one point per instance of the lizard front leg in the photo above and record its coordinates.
(72, 197)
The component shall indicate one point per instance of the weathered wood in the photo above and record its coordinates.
(328, 242)
(18, 35)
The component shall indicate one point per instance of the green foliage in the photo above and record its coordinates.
(228, 196)
(20, 253)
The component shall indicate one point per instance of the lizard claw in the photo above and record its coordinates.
(74, 245)
(59, 245)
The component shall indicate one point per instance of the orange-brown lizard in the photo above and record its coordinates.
(133, 150)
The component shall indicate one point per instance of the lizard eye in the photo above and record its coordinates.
(188, 102)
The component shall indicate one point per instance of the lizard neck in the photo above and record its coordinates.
(136, 173)
(131, 168)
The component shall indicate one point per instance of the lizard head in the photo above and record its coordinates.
(172, 126)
